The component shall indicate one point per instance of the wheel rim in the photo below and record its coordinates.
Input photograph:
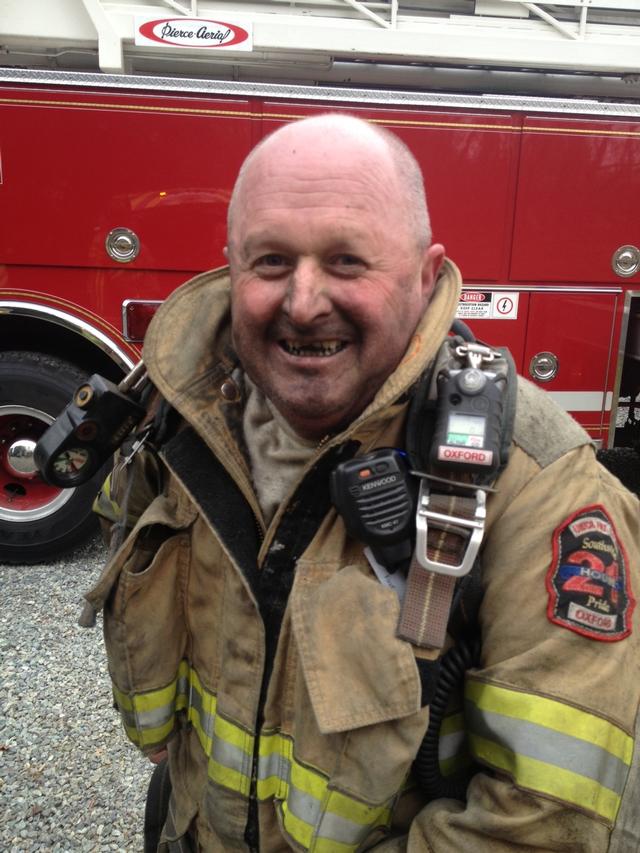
(24, 496)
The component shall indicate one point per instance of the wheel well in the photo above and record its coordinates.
(37, 335)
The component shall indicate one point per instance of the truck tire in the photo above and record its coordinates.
(38, 522)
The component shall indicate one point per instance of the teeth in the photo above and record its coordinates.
(317, 348)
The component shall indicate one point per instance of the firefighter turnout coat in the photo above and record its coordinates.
(266, 657)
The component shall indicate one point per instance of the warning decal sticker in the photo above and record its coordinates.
(588, 582)
(488, 305)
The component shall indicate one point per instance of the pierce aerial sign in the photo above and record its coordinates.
(195, 32)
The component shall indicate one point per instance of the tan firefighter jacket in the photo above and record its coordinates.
(267, 659)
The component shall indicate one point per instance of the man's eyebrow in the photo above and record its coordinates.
(253, 241)
(337, 242)
(257, 242)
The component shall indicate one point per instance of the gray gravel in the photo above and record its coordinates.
(69, 779)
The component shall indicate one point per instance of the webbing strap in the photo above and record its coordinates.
(448, 542)
(425, 612)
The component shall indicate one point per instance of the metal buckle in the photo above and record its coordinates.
(424, 515)
(476, 354)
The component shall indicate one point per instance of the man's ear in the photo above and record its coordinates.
(225, 252)
(431, 264)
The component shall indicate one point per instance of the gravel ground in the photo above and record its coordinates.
(69, 779)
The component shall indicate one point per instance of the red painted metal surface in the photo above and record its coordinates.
(527, 204)
(579, 329)
(469, 163)
(576, 199)
(162, 167)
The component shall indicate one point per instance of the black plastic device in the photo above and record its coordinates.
(375, 495)
(469, 415)
(83, 437)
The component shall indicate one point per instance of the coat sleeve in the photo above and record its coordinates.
(551, 713)
(127, 492)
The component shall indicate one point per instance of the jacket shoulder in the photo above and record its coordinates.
(543, 430)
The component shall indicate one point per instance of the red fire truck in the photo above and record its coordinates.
(122, 127)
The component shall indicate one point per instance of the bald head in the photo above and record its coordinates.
(353, 138)
(330, 266)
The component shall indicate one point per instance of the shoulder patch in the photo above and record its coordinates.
(588, 581)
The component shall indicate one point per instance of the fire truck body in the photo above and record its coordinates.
(114, 188)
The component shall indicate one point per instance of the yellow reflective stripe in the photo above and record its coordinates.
(452, 723)
(149, 717)
(275, 743)
(106, 486)
(327, 845)
(201, 711)
(353, 810)
(205, 739)
(123, 701)
(545, 779)
(155, 699)
(453, 748)
(275, 756)
(220, 739)
(552, 714)
(298, 829)
(450, 766)
(307, 781)
(229, 778)
(145, 738)
(104, 504)
(316, 817)
(235, 735)
(547, 747)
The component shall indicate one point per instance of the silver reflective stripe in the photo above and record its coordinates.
(207, 721)
(156, 717)
(303, 806)
(552, 747)
(337, 828)
(332, 826)
(626, 834)
(308, 808)
(276, 765)
(451, 745)
(153, 719)
(231, 756)
(182, 686)
(128, 717)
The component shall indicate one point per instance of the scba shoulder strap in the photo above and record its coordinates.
(459, 430)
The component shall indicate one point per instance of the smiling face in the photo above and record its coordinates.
(328, 277)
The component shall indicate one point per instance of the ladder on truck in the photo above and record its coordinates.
(595, 43)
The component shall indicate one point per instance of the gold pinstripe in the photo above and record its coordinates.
(293, 116)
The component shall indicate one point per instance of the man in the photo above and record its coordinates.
(248, 633)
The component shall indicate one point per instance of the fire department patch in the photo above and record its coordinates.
(588, 582)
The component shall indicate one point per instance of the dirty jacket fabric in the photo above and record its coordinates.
(267, 659)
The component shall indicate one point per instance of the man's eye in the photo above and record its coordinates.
(271, 262)
(347, 263)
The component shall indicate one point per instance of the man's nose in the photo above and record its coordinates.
(306, 298)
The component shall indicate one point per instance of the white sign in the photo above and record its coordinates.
(236, 34)
(488, 305)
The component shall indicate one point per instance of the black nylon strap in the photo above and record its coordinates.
(218, 497)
